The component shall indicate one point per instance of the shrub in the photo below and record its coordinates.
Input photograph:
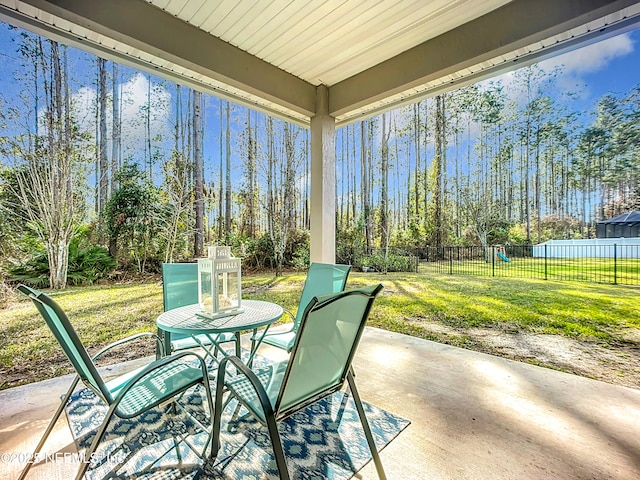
(259, 253)
(393, 263)
(86, 265)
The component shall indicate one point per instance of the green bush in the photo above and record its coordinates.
(34, 272)
(259, 253)
(87, 264)
(394, 263)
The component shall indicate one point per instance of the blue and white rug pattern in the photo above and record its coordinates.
(324, 441)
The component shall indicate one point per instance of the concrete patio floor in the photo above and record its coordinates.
(474, 416)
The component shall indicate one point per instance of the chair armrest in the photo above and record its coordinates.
(156, 365)
(253, 380)
(289, 327)
(111, 346)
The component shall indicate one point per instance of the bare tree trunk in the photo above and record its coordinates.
(438, 171)
(270, 169)
(103, 171)
(366, 199)
(307, 164)
(148, 129)
(289, 180)
(116, 131)
(416, 139)
(198, 167)
(354, 203)
(251, 173)
(116, 145)
(220, 189)
(384, 186)
(227, 198)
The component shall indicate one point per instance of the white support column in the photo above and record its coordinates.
(323, 181)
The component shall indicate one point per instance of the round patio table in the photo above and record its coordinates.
(185, 320)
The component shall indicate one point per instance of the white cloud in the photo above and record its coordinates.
(133, 113)
(591, 58)
(574, 65)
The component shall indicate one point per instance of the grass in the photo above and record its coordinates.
(623, 271)
(410, 303)
(590, 312)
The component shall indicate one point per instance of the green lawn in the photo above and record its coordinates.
(408, 304)
(598, 270)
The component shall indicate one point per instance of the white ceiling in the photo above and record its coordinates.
(325, 42)
(373, 55)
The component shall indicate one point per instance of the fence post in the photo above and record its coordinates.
(450, 262)
(545, 261)
(615, 264)
(493, 260)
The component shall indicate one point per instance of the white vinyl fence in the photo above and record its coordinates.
(593, 248)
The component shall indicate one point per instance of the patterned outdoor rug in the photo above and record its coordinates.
(324, 441)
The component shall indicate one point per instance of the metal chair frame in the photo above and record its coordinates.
(272, 410)
(127, 396)
(322, 279)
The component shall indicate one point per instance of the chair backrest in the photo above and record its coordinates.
(179, 284)
(322, 279)
(63, 331)
(326, 342)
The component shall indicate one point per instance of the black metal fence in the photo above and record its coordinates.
(595, 263)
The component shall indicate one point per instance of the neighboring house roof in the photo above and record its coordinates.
(625, 218)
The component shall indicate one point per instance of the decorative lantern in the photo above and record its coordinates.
(219, 283)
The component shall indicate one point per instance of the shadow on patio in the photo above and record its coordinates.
(473, 416)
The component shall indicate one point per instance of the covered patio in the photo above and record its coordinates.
(473, 416)
(325, 65)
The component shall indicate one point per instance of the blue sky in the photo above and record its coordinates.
(612, 65)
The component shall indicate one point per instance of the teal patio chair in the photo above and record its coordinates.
(322, 279)
(180, 288)
(319, 364)
(128, 395)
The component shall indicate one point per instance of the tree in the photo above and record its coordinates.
(249, 226)
(198, 171)
(384, 186)
(484, 217)
(116, 123)
(437, 173)
(102, 167)
(178, 188)
(227, 190)
(133, 215)
(366, 132)
(46, 176)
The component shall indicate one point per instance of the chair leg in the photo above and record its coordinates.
(217, 414)
(96, 441)
(278, 451)
(47, 432)
(365, 425)
(207, 387)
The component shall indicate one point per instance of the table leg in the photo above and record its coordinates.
(166, 341)
(255, 344)
(238, 349)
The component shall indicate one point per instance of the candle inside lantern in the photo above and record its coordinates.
(219, 283)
